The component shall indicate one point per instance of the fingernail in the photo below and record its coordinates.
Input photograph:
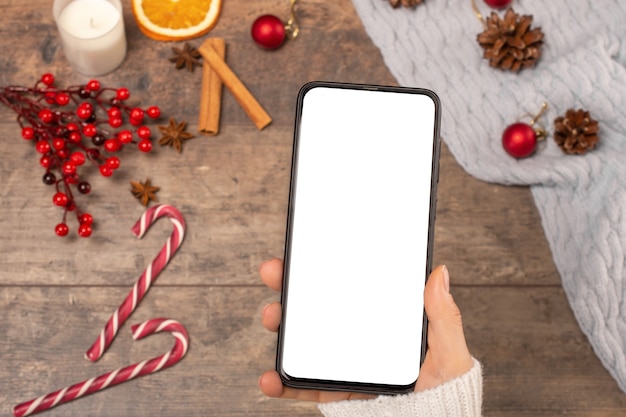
(446, 279)
(260, 379)
(264, 310)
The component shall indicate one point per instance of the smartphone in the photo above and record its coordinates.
(359, 238)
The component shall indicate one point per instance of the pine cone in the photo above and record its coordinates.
(576, 132)
(405, 3)
(509, 43)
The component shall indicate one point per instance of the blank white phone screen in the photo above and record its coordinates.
(359, 234)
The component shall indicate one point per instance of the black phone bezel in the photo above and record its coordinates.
(349, 386)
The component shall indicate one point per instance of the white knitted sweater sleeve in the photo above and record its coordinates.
(460, 397)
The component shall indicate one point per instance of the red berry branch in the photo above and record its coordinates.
(76, 125)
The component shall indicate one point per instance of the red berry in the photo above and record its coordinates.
(60, 199)
(77, 158)
(58, 143)
(268, 31)
(45, 161)
(112, 145)
(45, 115)
(62, 99)
(519, 140)
(113, 162)
(50, 97)
(93, 85)
(28, 133)
(125, 136)
(145, 145)
(89, 130)
(72, 127)
(71, 178)
(74, 137)
(153, 112)
(47, 79)
(122, 93)
(69, 168)
(115, 121)
(84, 110)
(144, 132)
(62, 153)
(84, 187)
(85, 218)
(61, 229)
(136, 113)
(105, 171)
(498, 4)
(42, 146)
(84, 230)
(114, 112)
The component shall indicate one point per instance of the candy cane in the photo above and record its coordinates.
(142, 285)
(118, 376)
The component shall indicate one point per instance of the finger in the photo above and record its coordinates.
(271, 315)
(272, 386)
(438, 301)
(272, 273)
(448, 355)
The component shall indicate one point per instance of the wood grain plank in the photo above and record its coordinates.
(543, 369)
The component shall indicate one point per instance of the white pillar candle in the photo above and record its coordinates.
(92, 34)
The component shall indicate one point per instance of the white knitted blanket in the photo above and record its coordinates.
(581, 199)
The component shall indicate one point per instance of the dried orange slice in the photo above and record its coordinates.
(176, 20)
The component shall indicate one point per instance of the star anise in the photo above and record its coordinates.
(144, 191)
(174, 134)
(188, 57)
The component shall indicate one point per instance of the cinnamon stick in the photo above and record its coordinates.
(245, 99)
(211, 93)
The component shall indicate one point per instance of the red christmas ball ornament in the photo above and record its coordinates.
(268, 31)
(519, 140)
(498, 4)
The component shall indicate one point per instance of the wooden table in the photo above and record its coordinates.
(56, 294)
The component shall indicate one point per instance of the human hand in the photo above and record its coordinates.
(447, 356)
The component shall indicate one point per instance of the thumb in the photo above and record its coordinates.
(438, 302)
(448, 355)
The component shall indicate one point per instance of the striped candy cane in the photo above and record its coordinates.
(142, 285)
(118, 376)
